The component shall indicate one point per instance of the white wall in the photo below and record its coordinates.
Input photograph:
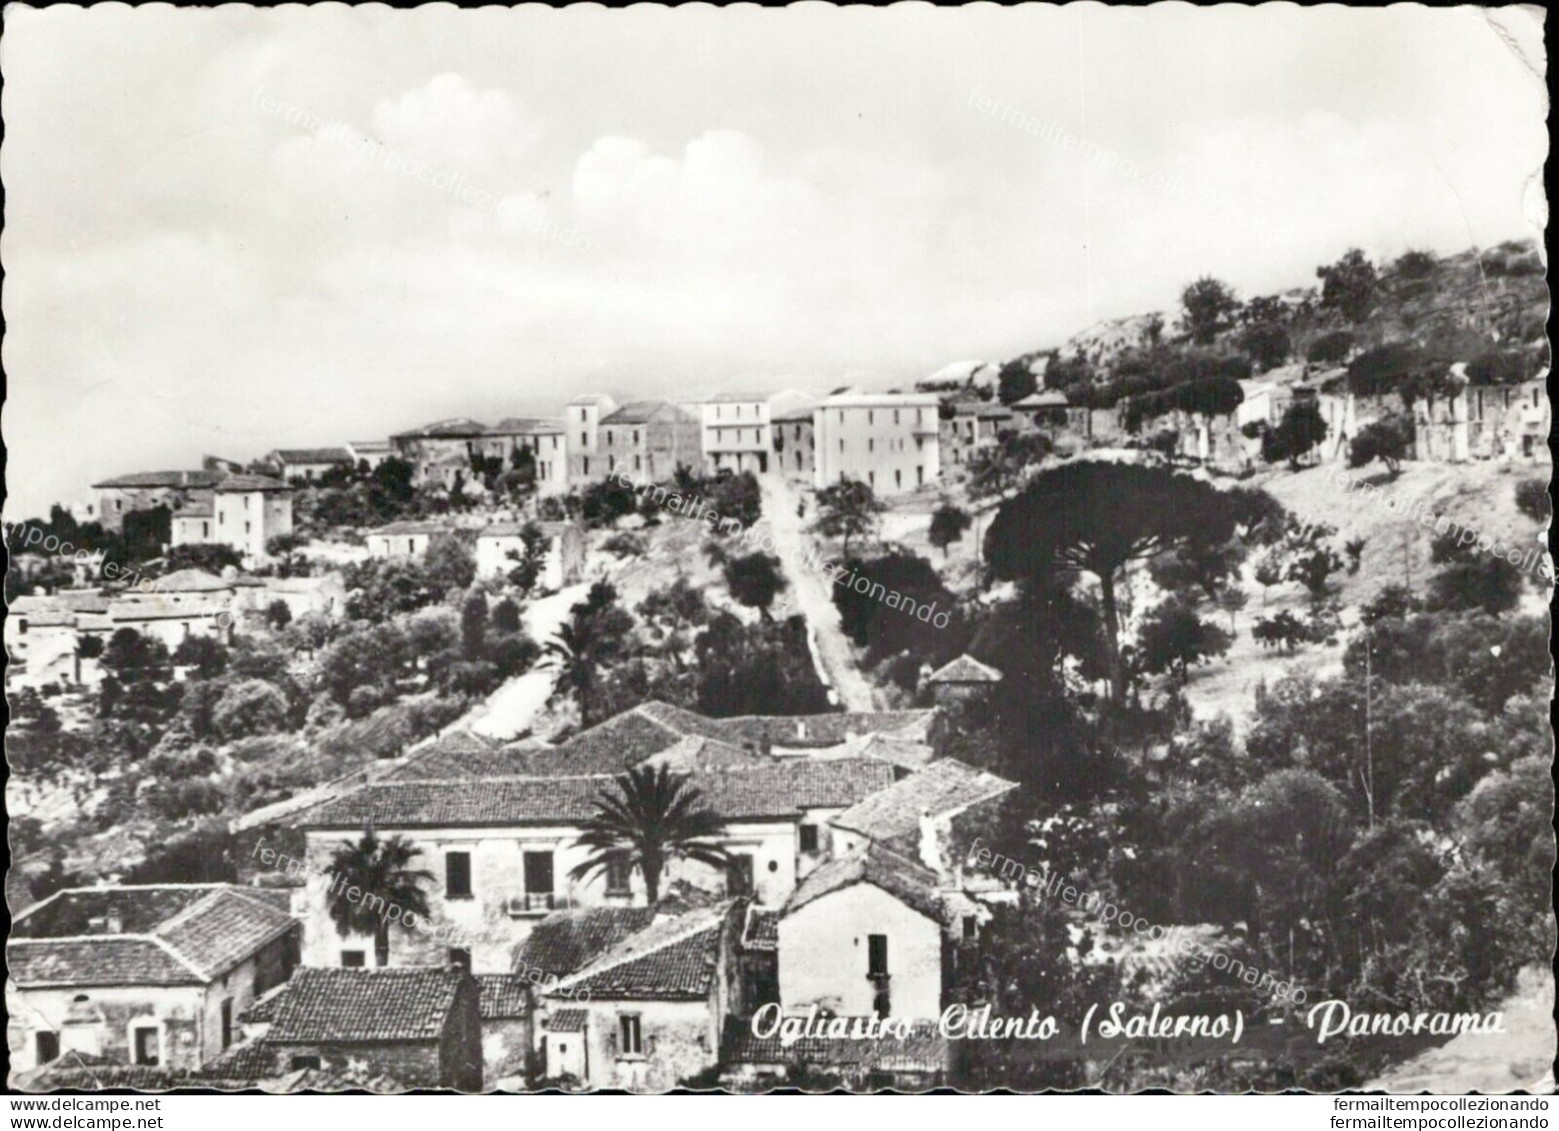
(877, 450)
(823, 955)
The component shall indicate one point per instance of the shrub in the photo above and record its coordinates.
(1533, 500)
(1330, 348)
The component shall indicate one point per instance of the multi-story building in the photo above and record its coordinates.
(143, 975)
(369, 454)
(147, 490)
(438, 448)
(308, 464)
(250, 510)
(649, 440)
(795, 443)
(545, 440)
(967, 426)
(890, 441)
(582, 419)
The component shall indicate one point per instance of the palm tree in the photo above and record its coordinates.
(654, 817)
(593, 636)
(378, 868)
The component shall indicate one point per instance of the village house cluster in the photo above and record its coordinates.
(845, 895)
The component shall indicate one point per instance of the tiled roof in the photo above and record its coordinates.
(965, 669)
(413, 528)
(735, 793)
(251, 483)
(79, 1070)
(195, 508)
(698, 753)
(923, 1050)
(524, 426)
(827, 730)
(314, 455)
(168, 935)
(900, 752)
(761, 930)
(191, 581)
(456, 429)
(383, 1004)
(671, 959)
(565, 940)
(439, 762)
(155, 607)
(943, 788)
(567, 1020)
(502, 995)
(911, 883)
(262, 1011)
(490, 801)
(621, 741)
(109, 961)
(795, 416)
(590, 399)
(147, 479)
(253, 1060)
(643, 412)
(372, 446)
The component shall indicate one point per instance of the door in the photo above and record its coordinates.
(146, 1046)
(48, 1046)
(739, 876)
(227, 1022)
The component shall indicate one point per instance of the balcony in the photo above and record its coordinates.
(531, 903)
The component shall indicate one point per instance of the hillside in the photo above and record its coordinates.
(1456, 307)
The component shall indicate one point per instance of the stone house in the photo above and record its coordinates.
(308, 464)
(967, 426)
(144, 491)
(650, 440)
(564, 563)
(505, 1005)
(795, 443)
(1500, 422)
(961, 680)
(503, 849)
(582, 418)
(648, 1012)
(408, 539)
(545, 440)
(420, 1027)
(367, 455)
(863, 934)
(436, 451)
(890, 441)
(245, 512)
(153, 976)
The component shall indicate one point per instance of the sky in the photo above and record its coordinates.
(235, 229)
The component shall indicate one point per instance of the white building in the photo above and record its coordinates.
(890, 441)
(245, 513)
(152, 975)
(500, 547)
(582, 419)
(404, 539)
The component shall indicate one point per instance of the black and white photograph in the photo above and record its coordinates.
(777, 550)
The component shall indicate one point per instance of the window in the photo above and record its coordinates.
(631, 1035)
(382, 950)
(205, 530)
(587, 465)
(584, 441)
(461, 957)
(457, 875)
(618, 874)
(611, 463)
(227, 1022)
(876, 956)
(411, 545)
(538, 880)
(898, 477)
(306, 1061)
(352, 960)
(636, 464)
(920, 475)
(870, 417)
(971, 928)
(739, 876)
(48, 1045)
(841, 445)
(21, 626)
(635, 437)
(808, 838)
(871, 477)
(871, 445)
(583, 416)
(246, 528)
(895, 416)
(146, 1050)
